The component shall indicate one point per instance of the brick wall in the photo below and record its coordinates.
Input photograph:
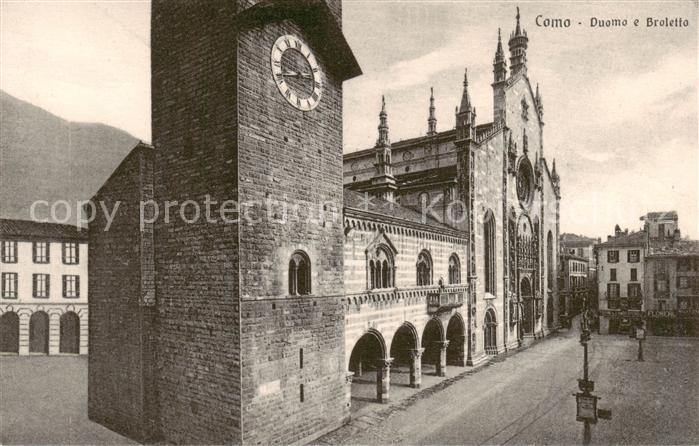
(194, 79)
(120, 388)
(294, 157)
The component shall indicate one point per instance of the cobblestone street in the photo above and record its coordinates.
(524, 398)
(527, 399)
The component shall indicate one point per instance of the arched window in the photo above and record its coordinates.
(424, 197)
(299, 274)
(381, 269)
(424, 269)
(454, 270)
(489, 252)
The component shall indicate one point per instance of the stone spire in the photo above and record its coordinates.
(539, 103)
(383, 184)
(431, 120)
(383, 125)
(465, 97)
(518, 48)
(556, 180)
(499, 64)
(466, 115)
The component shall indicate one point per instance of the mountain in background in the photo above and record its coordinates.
(44, 157)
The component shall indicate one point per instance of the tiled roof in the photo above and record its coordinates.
(637, 238)
(359, 201)
(27, 229)
(677, 248)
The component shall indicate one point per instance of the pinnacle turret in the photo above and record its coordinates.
(432, 120)
(465, 97)
(465, 115)
(518, 48)
(383, 125)
(499, 64)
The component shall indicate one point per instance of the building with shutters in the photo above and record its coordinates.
(43, 305)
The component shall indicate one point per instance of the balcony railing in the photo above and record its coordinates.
(440, 301)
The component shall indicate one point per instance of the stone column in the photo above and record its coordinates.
(441, 365)
(24, 333)
(348, 388)
(383, 379)
(416, 367)
(54, 333)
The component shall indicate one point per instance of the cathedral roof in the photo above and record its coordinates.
(481, 129)
(377, 208)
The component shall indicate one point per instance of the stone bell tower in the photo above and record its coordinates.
(246, 338)
(247, 106)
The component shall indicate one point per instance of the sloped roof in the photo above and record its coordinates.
(139, 147)
(637, 238)
(31, 230)
(679, 248)
(575, 239)
(366, 203)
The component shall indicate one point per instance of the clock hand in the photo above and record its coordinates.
(291, 73)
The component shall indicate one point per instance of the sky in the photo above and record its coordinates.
(620, 103)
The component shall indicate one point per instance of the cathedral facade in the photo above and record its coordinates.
(228, 329)
(489, 183)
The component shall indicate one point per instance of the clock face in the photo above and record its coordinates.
(296, 72)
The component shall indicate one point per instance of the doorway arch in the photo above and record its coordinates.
(490, 333)
(9, 332)
(527, 299)
(70, 333)
(456, 335)
(39, 333)
(370, 348)
(432, 342)
(404, 340)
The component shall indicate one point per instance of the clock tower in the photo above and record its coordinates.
(247, 115)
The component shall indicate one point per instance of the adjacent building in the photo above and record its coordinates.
(573, 285)
(650, 276)
(672, 284)
(258, 326)
(43, 305)
(620, 279)
(578, 274)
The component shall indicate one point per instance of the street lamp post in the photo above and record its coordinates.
(587, 402)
